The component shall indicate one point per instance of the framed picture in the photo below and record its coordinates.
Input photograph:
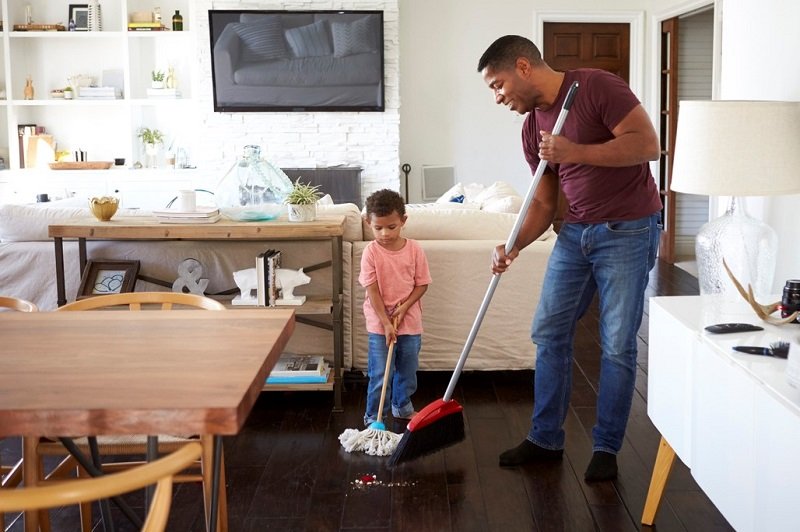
(79, 17)
(108, 277)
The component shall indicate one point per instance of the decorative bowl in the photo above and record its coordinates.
(104, 207)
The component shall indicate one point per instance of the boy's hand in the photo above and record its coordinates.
(390, 332)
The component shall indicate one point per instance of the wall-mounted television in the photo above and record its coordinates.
(264, 60)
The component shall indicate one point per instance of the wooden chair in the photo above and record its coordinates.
(160, 472)
(10, 476)
(135, 301)
(15, 303)
(134, 445)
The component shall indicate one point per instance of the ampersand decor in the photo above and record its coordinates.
(189, 281)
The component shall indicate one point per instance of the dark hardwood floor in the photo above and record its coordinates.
(287, 471)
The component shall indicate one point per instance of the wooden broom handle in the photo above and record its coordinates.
(386, 371)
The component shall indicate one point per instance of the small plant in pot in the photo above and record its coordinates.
(302, 202)
(151, 138)
(157, 79)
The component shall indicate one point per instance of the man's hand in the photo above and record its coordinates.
(555, 148)
(501, 261)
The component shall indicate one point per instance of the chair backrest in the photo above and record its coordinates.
(15, 303)
(135, 300)
(159, 472)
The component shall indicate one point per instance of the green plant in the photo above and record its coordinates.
(157, 75)
(150, 136)
(303, 194)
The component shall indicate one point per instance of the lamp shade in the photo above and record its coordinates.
(737, 148)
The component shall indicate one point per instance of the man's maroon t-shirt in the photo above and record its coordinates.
(594, 193)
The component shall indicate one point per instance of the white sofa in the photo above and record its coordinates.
(457, 241)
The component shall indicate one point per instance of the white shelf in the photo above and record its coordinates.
(105, 128)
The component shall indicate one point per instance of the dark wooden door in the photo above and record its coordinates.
(668, 125)
(571, 45)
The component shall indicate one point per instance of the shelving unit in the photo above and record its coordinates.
(105, 129)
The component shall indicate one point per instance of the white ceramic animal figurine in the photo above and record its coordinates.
(287, 281)
(247, 282)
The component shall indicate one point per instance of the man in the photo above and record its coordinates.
(607, 244)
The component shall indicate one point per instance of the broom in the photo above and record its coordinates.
(441, 423)
(375, 439)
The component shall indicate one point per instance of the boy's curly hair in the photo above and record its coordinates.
(385, 202)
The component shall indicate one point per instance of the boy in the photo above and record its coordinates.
(395, 273)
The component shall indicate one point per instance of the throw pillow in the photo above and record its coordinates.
(310, 41)
(507, 204)
(262, 41)
(352, 37)
(454, 191)
(495, 191)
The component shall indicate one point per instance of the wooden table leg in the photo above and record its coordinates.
(661, 470)
(30, 477)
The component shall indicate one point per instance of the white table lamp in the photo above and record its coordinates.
(737, 148)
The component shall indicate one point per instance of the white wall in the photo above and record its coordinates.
(758, 63)
(369, 140)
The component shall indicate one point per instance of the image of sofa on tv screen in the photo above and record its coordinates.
(297, 61)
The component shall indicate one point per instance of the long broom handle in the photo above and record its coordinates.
(512, 238)
(389, 356)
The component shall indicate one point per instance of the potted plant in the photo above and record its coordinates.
(151, 138)
(302, 202)
(157, 79)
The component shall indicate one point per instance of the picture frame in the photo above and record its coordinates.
(78, 17)
(103, 277)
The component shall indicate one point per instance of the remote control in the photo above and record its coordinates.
(723, 328)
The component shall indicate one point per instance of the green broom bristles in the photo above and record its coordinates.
(438, 425)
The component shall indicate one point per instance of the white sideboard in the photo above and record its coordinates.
(732, 418)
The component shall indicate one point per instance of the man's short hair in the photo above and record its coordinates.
(503, 53)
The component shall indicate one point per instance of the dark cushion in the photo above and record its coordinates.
(353, 37)
(311, 40)
(262, 41)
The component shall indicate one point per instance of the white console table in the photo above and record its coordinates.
(732, 418)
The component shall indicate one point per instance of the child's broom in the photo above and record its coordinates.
(375, 439)
(441, 423)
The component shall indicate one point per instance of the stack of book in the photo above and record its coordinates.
(99, 93)
(201, 215)
(163, 93)
(299, 369)
(145, 26)
(267, 264)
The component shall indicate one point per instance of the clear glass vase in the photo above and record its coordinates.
(253, 189)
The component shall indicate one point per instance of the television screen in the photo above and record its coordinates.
(297, 60)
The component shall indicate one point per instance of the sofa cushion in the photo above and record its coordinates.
(441, 222)
(28, 223)
(262, 41)
(310, 41)
(353, 38)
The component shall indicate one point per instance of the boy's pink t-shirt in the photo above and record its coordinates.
(397, 273)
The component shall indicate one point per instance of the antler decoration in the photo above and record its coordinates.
(762, 311)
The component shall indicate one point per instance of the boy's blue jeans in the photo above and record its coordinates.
(403, 381)
(613, 259)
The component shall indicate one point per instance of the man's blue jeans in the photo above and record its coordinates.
(403, 382)
(613, 259)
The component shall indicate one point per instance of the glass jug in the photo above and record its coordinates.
(253, 189)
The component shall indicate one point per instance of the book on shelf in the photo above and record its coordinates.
(261, 278)
(299, 369)
(100, 93)
(273, 263)
(199, 212)
(178, 220)
(163, 93)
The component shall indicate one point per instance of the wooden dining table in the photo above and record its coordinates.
(149, 372)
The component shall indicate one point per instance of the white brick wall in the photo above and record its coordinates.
(369, 140)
